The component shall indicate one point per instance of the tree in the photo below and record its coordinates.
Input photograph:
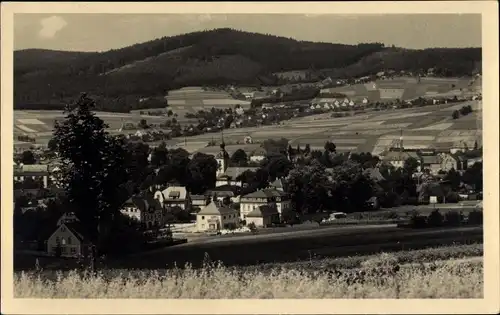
(351, 187)
(330, 147)
(52, 145)
(454, 178)
(411, 165)
(93, 168)
(239, 158)
(308, 186)
(455, 114)
(28, 158)
(143, 123)
(474, 176)
(201, 170)
(159, 156)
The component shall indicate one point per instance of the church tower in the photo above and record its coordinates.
(222, 159)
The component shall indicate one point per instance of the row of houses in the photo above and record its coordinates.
(429, 159)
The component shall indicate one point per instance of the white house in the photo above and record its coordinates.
(258, 198)
(258, 155)
(263, 216)
(147, 211)
(216, 216)
(68, 240)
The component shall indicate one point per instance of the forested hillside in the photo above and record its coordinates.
(119, 78)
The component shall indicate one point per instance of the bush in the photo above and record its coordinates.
(475, 217)
(435, 219)
(453, 218)
(452, 197)
(455, 114)
(418, 221)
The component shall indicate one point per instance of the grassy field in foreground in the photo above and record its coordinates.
(380, 276)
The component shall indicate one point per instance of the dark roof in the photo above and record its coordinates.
(232, 188)
(263, 211)
(234, 172)
(214, 208)
(265, 193)
(174, 194)
(78, 230)
(146, 203)
(198, 197)
(430, 159)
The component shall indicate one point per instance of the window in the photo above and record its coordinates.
(224, 217)
(73, 250)
(69, 240)
(203, 217)
(58, 241)
(203, 226)
(63, 241)
(63, 229)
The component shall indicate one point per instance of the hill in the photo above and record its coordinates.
(120, 77)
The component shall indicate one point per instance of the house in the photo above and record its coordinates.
(68, 217)
(216, 216)
(174, 196)
(199, 201)
(146, 210)
(258, 198)
(69, 240)
(231, 174)
(431, 163)
(263, 216)
(449, 161)
(258, 154)
(278, 184)
(34, 171)
(471, 162)
(225, 191)
(397, 157)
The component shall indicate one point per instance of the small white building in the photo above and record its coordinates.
(147, 211)
(216, 216)
(258, 155)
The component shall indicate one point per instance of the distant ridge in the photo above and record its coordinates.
(120, 77)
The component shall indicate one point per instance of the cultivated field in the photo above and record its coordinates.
(381, 276)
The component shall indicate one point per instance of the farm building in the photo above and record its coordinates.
(216, 216)
(230, 175)
(258, 155)
(398, 157)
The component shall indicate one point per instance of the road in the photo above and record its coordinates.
(301, 245)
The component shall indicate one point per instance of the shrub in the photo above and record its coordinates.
(418, 221)
(453, 218)
(455, 114)
(475, 217)
(435, 218)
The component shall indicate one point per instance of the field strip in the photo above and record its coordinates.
(442, 126)
(26, 128)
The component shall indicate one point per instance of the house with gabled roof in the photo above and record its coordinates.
(230, 175)
(254, 200)
(263, 216)
(173, 196)
(216, 216)
(144, 209)
(70, 239)
(34, 171)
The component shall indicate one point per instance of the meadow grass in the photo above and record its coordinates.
(381, 276)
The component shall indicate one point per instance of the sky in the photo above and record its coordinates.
(101, 32)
